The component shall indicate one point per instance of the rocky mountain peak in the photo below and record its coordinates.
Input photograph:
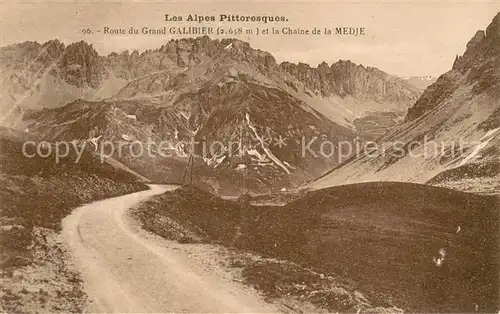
(479, 66)
(81, 65)
(242, 51)
(476, 40)
(482, 44)
(15, 55)
(46, 53)
(345, 77)
(323, 67)
(54, 49)
(493, 30)
(79, 52)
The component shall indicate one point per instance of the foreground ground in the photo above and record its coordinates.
(123, 271)
(383, 241)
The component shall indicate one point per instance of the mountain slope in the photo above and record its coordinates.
(234, 132)
(49, 75)
(36, 193)
(222, 94)
(379, 240)
(450, 136)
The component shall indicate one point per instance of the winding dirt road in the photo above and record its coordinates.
(123, 271)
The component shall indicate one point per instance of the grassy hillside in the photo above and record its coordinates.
(38, 192)
(379, 238)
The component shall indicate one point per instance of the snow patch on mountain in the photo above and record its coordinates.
(485, 140)
(264, 147)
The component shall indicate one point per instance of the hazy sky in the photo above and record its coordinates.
(410, 38)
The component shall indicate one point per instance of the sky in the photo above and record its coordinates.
(410, 38)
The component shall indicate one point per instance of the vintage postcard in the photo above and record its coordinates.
(250, 156)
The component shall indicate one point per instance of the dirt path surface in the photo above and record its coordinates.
(124, 271)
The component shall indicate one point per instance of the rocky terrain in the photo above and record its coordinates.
(49, 75)
(450, 136)
(207, 90)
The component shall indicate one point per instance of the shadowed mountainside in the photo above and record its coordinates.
(450, 136)
(38, 192)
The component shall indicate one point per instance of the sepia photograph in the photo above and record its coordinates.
(250, 156)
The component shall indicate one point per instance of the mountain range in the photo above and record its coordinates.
(255, 115)
(212, 91)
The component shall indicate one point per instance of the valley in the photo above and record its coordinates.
(458, 109)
